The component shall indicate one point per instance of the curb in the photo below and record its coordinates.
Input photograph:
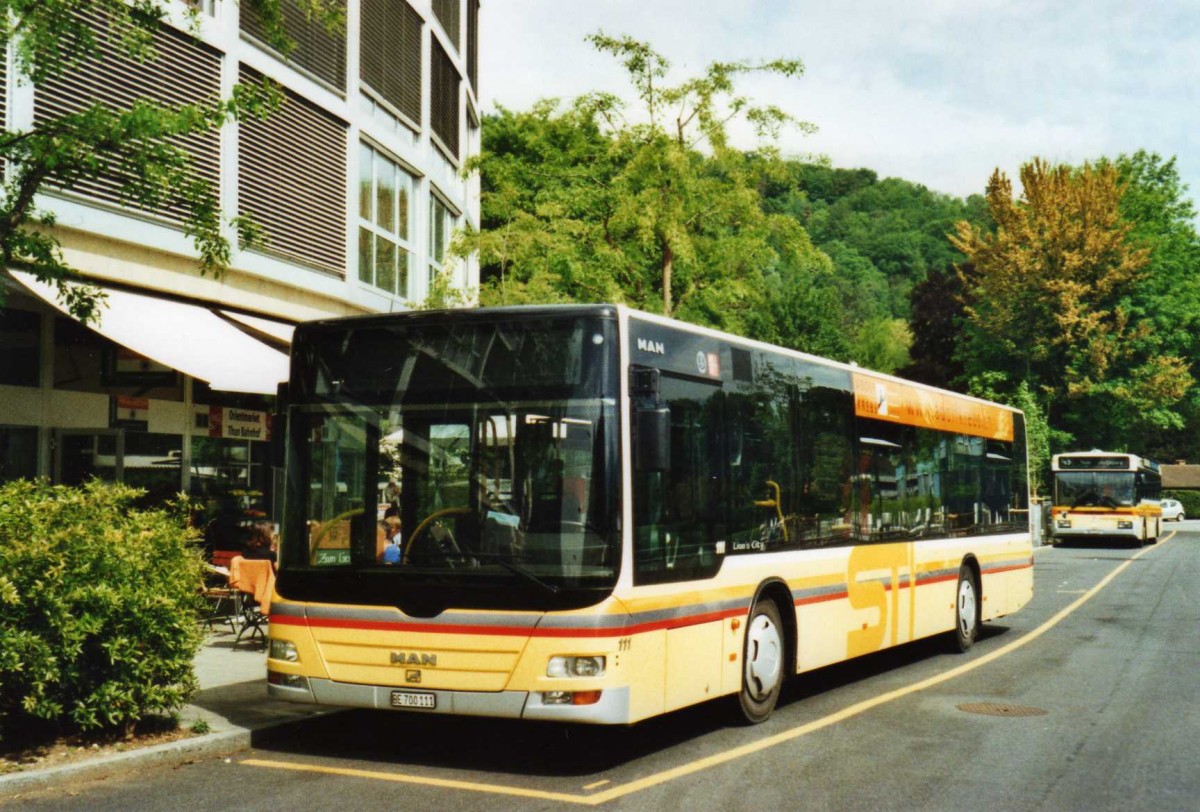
(177, 752)
(209, 745)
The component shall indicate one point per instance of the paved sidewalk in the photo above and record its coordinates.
(232, 700)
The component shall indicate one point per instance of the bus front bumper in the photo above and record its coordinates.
(1096, 532)
(612, 707)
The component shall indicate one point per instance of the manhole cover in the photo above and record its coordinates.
(1001, 709)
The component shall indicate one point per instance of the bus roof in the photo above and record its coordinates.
(624, 312)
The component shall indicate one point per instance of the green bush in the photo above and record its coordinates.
(98, 608)
(1189, 499)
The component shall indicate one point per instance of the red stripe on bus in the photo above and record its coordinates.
(1008, 569)
(836, 596)
(506, 631)
(832, 596)
(621, 631)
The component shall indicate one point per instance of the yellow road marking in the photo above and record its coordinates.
(444, 783)
(737, 752)
(596, 784)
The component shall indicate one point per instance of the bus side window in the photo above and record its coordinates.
(678, 513)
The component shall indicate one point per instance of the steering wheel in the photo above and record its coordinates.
(426, 524)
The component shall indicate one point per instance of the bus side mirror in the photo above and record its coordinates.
(652, 422)
(652, 441)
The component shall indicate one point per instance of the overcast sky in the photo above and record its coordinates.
(939, 92)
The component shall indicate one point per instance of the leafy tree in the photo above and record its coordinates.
(882, 344)
(861, 285)
(884, 237)
(140, 146)
(1163, 219)
(546, 176)
(937, 313)
(1050, 300)
(657, 210)
(1041, 436)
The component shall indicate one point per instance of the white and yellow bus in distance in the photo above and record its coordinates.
(1106, 494)
(589, 514)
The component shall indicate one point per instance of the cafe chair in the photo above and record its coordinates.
(224, 602)
(255, 580)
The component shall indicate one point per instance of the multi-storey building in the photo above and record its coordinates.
(356, 183)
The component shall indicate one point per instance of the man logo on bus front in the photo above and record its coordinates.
(413, 658)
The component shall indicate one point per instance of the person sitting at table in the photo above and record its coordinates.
(394, 550)
(261, 543)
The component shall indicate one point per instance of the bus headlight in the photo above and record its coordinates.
(1064, 522)
(284, 650)
(575, 667)
(1124, 525)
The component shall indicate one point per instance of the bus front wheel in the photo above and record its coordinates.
(966, 609)
(762, 662)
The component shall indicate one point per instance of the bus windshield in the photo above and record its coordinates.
(472, 460)
(1095, 488)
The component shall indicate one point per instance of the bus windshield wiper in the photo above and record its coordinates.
(517, 569)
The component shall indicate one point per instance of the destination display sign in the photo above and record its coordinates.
(911, 405)
(1094, 463)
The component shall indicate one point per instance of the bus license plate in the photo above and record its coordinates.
(412, 699)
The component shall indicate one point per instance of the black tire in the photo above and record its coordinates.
(966, 609)
(763, 655)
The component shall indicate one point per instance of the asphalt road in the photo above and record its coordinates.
(1087, 699)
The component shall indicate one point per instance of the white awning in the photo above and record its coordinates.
(275, 329)
(188, 338)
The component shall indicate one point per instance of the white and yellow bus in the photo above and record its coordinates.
(605, 515)
(1102, 493)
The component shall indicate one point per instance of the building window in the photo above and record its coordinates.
(292, 180)
(184, 71)
(446, 12)
(390, 52)
(385, 194)
(442, 220)
(20, 358)
(473, 44)
(443, 111)
(18, 452)
(317, 50)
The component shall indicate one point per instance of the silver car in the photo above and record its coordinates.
(1172, 510)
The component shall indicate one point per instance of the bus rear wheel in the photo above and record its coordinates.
(966, 609)
(762, 663)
